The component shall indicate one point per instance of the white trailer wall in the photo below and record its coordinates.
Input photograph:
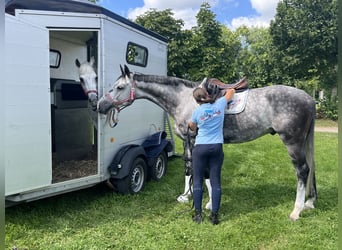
(27, 115)
(143, 118)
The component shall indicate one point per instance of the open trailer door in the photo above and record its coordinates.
(27, 107)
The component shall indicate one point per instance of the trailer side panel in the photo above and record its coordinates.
(28, 122)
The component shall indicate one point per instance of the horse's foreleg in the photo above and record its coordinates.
(187, 190)
(209, 204)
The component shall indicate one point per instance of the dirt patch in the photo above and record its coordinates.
(326, 129)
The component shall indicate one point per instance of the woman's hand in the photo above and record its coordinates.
(229, 94)
(192, 125)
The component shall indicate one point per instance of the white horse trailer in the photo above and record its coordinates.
(52, 144)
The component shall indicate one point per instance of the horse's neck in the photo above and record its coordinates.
(170, 94)
(167, 92)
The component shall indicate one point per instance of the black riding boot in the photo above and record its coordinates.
(214, 218)
(197, 217)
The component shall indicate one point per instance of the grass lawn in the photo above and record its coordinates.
(259, 186)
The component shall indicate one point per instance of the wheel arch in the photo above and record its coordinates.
(123, 160)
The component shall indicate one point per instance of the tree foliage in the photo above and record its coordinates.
(163, 23)
(304, 33)
(255, 58)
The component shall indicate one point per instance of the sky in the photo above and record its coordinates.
(232, 13)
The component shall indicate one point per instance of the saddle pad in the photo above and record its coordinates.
(238, 103)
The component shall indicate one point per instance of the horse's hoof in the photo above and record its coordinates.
(183, 198)
(208, 206)
(309, 205)
(294, 216)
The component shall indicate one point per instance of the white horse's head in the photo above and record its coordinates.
(121, 95)
(88, 80)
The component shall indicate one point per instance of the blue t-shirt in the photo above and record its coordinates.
(209, 120)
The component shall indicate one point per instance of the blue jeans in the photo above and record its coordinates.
(208, 156)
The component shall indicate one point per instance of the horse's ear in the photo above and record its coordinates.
(92, 61)
(122, 71)
(127, 72)
(77, 62)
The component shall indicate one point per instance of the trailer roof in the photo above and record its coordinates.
(74, 6)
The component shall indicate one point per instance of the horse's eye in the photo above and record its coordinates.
(120, 87)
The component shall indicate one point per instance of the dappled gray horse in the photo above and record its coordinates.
(288, 111)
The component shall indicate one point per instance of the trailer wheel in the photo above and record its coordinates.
(158, 170)
(135, 181)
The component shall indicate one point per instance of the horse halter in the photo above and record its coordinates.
(87, 92)
(118, 105)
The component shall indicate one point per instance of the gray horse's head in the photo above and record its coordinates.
(88, 80)
(120, 95)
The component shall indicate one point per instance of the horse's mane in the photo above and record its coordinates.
(166, 80)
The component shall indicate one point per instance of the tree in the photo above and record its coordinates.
(163, 23)
(255, 58)
(304, 33)
(210, 55)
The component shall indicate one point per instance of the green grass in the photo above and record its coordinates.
(258, 194)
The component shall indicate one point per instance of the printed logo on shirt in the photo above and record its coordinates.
(209, 113)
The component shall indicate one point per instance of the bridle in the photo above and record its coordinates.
(119, 105)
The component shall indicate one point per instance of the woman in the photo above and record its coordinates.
(208, 152)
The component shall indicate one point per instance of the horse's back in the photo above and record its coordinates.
(272, 109)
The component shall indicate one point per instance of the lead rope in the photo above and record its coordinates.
(191, 180)
(188, 163)
(187, 145)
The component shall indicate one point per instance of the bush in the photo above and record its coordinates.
(327, 109)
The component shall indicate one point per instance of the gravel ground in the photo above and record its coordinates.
(326, 129)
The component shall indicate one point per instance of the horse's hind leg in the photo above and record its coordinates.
(297, 154)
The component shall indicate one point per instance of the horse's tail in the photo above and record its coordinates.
(309, 154)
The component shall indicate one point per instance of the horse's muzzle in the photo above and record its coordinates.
(103, 106)
(93, 103)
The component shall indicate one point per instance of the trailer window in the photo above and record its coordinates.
(55, 58)
(136, 54)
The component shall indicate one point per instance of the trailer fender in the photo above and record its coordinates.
(121, 164)
(155, 144)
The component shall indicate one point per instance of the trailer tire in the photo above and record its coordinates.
(136, 179)
(159, 167)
